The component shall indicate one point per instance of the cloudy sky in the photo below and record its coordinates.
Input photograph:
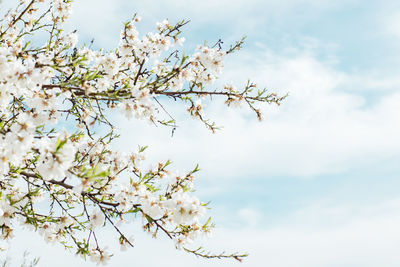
(317, 182)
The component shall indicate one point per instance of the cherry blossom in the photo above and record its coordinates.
(58, 175)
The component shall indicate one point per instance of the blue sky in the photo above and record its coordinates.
(314, 184)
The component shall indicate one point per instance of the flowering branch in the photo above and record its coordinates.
(62, 179)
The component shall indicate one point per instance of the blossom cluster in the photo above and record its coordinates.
(60, 178)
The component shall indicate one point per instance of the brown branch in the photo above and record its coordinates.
(68, 186)
(139, 73)
(201, 253)
(18, 18)
(81, 92)
(112, 223)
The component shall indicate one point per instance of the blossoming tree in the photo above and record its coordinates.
(61, 178)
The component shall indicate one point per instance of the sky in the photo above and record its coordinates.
(316, 182)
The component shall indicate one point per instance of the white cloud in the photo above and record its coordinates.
(250, 217)
(391, 22)
(319, 129)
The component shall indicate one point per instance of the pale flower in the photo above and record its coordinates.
(96, 219)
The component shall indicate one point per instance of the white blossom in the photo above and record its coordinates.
(56, 137)
(96, 219)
